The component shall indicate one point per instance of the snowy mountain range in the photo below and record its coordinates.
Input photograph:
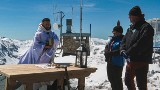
(11, 50)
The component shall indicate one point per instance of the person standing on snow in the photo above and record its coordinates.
(115, 61)
(42, 50)
(137, 48)
(44, 45)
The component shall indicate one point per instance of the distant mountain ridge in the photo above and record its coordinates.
(9, 49)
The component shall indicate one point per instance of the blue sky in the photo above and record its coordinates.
(19, 19)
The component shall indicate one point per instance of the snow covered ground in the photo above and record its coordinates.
(97, 80)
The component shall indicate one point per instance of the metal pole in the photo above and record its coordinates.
(67, 77)
(80, 22)
(155, 38)
(61, 26)
(61, 17)
(90, 30)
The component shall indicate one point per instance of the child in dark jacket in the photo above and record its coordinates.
(115, 61)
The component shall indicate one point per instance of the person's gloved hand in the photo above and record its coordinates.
(123, 54)
(107, 55)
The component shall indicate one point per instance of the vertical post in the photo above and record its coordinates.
(61, 26)
(76, 59)
(90, 30)
(67, 77)
(81, 83)
(61, 17)
(60, 83)
(88, 52)
(156, 27)
(10, 84)
(81, 61)
(86, 59)
(80, 22)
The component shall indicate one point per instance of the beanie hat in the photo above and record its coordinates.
(135, 11)
(118, 28)
(46, 19)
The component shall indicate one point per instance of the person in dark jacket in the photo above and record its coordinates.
(115, 61)
(137, 48)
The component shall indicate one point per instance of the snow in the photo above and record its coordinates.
(25, 45)
(97, 80)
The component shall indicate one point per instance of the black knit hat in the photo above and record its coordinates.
(46, 19)
(118, 28)
(135, 11)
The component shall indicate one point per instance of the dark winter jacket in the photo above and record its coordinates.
(112, 51)
(138, 42)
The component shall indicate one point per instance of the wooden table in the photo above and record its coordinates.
(29, 73)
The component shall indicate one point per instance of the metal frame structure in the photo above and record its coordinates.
(155, 23)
